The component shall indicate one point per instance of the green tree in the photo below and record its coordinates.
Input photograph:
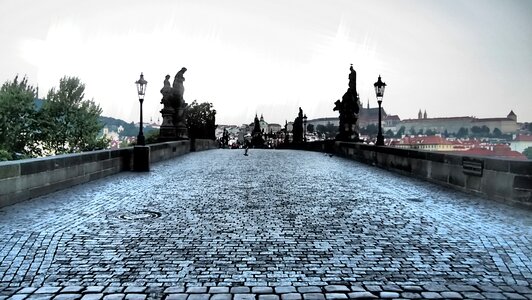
(400, 132)
(201, 119)
(430, 132)
(528, 152)
(18, 121)
(310, 128)
(462, 132)
(370, 130)
(388, 133)
(69, 122)
(152, 137)
(328, 130)
(497, 132)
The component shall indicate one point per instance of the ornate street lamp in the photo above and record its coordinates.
(305, 127)
(141, 90)
(379, 91)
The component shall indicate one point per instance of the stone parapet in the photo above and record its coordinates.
(504, 180)
(29, 178)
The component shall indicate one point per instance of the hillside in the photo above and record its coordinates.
(130, 129)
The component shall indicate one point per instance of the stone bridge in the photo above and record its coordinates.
(277, 224)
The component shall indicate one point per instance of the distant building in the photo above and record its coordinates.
(426, 143)
(507, 125)
(521, 142)
(497, 151)
(370, 116)
(274, 128)
(462, 147)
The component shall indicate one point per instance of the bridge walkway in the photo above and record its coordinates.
(276, 219)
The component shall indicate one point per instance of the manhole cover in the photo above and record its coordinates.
(140, 215)
(414, 199)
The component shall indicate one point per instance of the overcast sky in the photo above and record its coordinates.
(452, 58)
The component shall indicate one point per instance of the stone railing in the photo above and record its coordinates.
(504, 180)
(24, 179)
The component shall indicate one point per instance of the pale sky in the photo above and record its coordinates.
(451, 58)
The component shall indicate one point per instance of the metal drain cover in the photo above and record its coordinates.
(414, 199)
(140, 215)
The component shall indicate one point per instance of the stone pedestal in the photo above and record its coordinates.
(141, 158)
(181, 127)
(167, 131)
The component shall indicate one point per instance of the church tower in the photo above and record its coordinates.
(419, 115)
(425, 114)
(512, 116)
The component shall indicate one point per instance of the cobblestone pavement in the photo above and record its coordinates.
(276, 224)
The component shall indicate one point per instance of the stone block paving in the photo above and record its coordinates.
(276, 224)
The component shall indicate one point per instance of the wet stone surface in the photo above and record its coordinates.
(276, 218)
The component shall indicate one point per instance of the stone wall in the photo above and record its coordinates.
(503, 180)
(24, 179)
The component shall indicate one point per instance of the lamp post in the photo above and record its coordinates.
(305, 127)
(379, 91)
(141, 90)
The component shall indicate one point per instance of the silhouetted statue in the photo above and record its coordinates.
(178, 87)
(297, 130)
(348, 109)
(173, 126)
(256, 135)
(166, 91)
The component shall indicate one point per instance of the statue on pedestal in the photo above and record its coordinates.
(348, 109)
(173, 126)
(297, 130)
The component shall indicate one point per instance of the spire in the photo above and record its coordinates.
(261, 117)
(419, 114)
(425, 114)
(368, 103)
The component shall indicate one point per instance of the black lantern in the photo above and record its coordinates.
(141, 90)
(379, 88)
(379, 91)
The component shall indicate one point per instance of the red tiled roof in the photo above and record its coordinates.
(523, 138)
(425, 140)
(501, 152)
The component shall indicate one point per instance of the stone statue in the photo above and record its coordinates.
(297, 129)
(166, 91)
(173, 126)
(178, 87)
(348, 108)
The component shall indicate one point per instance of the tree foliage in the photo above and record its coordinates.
(17, 119)
(310, 128)
(478, 131)
(329, 130)
(528, 152)
(400, 132)
(201, 118)
(370, 130)
(462, 132)
(69, 122)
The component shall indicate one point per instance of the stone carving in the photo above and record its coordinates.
(348, 109)
(297, 130)
(173, 126)
(166, 91)
(178, 87)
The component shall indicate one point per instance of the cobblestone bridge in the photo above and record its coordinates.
(277, 224)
